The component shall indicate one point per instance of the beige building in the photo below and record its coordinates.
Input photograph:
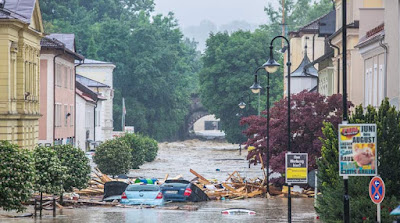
(362, 15)
(21, 30)
(391, 40)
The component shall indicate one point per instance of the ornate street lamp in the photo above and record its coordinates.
(272, 66)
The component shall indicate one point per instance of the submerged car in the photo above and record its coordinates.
(146, 194)
(182, 190)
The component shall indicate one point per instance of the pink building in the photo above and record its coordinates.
(57, 89)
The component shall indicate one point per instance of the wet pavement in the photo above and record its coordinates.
(212, 160)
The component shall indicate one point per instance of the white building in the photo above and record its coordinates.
(98, 76)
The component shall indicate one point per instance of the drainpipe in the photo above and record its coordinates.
(313, 46)
(338, 64)
(54, 96)
(94, 123)
(80, 63)
(385, 59)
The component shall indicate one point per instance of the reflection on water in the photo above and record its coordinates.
(273, 210)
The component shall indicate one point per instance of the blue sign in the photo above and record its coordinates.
(377, 190)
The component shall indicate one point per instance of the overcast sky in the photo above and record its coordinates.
(192, 12)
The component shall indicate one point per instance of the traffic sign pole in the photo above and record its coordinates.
(377, 194)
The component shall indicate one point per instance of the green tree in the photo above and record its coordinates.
(229, 63)
(113, 157)
(76, 165)
(16, 176)
(330, 204)
(151, 149)
(156, 68)
(137, 147)
(50, 174)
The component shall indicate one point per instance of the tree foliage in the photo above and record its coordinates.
(155, 66)
(229, 62)
(330, 204)
(113, 157)
(151, 146)
(308, 112)
(16, 176)
(50, 174)
(76, 165)
(137, 147)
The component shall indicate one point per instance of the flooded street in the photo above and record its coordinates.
(212, 160)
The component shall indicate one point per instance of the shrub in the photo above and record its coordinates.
(77, 167)
(151, 149)
(50, 174)
(16, 176)
(113, 157)
(137, 146)
(330, 204)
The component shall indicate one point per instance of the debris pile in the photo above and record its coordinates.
(234, 187)
(96, 183)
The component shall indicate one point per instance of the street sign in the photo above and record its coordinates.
(296, 168)
(357, 150)
(377, 190)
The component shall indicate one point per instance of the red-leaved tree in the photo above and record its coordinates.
(308, 112)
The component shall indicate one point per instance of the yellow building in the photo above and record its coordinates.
(21, 30)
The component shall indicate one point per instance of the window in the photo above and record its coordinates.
(97, 118)
(88, 119)
(58, 116)
(58, 75)
(375, 87)
(72, 116)
(72, 79)
(66, 77)
(66, 115)
(381, 83)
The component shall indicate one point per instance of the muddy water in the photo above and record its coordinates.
(177, 158)
(273, 210)
(211, 159)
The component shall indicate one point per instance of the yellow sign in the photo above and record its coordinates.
(296, 173)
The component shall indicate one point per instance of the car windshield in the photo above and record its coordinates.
(142, 188)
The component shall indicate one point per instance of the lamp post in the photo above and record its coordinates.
(255, 88)
(271, 66)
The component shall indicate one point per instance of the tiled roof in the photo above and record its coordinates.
(67, 38)
(313, 26)
(89, 82)
(53, 43)
(18, 9)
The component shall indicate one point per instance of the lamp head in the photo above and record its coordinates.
(242, 105)
(255, 88)
(271, 66)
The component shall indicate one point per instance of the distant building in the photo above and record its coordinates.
(301, 57)
(101, 101)
(57, 90)
(21, 30)
(87, 101)
(98, 76)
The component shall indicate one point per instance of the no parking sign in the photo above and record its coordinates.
(377, 190)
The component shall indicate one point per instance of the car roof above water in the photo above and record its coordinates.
(142, 187)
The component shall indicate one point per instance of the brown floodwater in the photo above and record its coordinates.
(213, 160)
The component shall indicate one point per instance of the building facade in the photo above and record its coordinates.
(100, 75)
(21, 30)
(57, 95)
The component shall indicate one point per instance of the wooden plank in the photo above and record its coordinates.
(200, 176)
(230, 176)
(229, 188)
(254, 193)
(166, 177)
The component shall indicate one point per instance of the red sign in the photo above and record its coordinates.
(377, 190)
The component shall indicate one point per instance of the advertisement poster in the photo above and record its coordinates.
(296, 168)
(357, 150)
